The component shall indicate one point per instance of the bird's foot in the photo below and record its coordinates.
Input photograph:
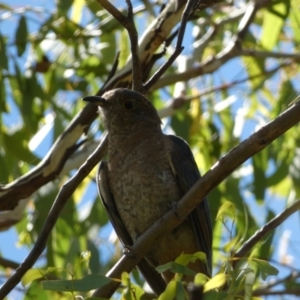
(127, 251)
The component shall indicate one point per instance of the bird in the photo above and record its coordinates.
(145, 174)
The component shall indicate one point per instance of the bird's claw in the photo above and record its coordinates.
(127, 251)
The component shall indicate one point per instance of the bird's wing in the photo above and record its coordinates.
(153, 278)
(186, 172)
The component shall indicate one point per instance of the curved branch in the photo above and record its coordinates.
(50, 167)
(263, 231)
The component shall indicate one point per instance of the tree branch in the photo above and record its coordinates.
(184, 19)
(7, 263)
(122, 19)
(50, 167)
(128, 24)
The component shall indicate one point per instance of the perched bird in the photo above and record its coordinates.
(146, 173)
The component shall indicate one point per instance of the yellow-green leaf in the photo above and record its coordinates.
(200, 279)
(185, 259)
(216, 282)
(170, 291)
(77, 9)
(21, 35)
(31, 275)
(227, 209)
(35, 273)
(87, 283)
(266, 269)
(175, 268)
(272, 24)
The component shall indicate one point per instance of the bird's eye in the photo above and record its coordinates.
(128, 104)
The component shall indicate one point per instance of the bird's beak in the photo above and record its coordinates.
(96, 100)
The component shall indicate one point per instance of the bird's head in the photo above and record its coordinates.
(124, 109)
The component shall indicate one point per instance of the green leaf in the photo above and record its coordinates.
(260, 165)
(63, 7)
(226, 210)
(279, 174)
(3, 56)
(3, 102)
(254, 66)
(266, 245)
(34, 274)
(31, 275)
(273, 21)
(295, 25)
(87, 283)
(170, 291)
(295, 169)
(216, 282)
(185, 259)
(35, 291)
(21, 35)
(287, 93)
(266, 269)
(125, 278)
(124, 48)
(132, 291)
(181, 123)
(180, 291)
(97, 216)
(175, 268)
(231, 244)
(200, 279)
(16, 145)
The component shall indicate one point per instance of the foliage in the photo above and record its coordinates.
(53, 54)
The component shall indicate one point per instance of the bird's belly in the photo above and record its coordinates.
(145, 196)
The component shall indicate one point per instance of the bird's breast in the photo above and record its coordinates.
(143, 186)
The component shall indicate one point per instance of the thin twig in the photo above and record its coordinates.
(214, 63)
(122, 19)
(235, 82)
(59, 203)
(184, 19)
(128, 24)
(290, 278)
(266, 289)
(137, 84)
(7, 263)
(263, 231)
(176, 103)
